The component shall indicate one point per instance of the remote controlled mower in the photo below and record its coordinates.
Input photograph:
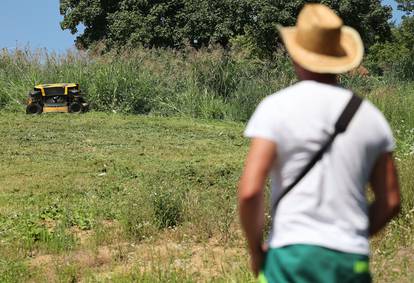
(61, 97)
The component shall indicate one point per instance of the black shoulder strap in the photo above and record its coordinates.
(340, 127)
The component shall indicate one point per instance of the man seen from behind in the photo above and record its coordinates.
(321, 228)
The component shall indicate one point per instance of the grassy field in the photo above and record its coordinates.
(111, 196)
(102, 197)
(117, 198)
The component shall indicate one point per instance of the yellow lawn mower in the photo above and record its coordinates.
(61, 97)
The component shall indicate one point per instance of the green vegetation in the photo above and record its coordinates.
(113, 196)
(110, 196)
(406, 5)
(206, 84)
(236, 24)
(179, 23)
(81, 197)
(209, 84)
(395, 58)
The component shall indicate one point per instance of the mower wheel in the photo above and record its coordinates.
(34, 109)
(75, 107)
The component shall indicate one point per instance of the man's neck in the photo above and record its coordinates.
(304, 75)
(321, 78)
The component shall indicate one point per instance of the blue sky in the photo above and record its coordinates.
(35, 24)
(396, 14)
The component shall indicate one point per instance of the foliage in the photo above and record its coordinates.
(167, 208)
(405, 33)
(406, 5)
(11, 271)
(177, 23)
(369, 17)
(207, 83)
(395, 58)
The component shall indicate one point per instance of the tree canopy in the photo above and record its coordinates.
(406, 6)
(397, 55)
(177, 23)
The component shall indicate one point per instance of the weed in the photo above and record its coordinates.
(167, 206)
(68, 273)
(137, 218)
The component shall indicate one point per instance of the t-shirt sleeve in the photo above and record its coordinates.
(264, 123)
(388, 141)
(382, 133)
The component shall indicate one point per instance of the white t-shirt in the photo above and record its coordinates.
(328, 207)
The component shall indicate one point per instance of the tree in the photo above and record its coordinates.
(395, 57)
(175, 23)
(369, 17)
(93, 14)
(406, 6)
(405, 33)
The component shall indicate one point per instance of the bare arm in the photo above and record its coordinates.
(384, 182)
(259, 160)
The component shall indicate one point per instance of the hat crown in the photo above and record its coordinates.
(321, 43)
(319, 30)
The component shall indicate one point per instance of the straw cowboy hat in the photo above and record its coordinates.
(321, 43)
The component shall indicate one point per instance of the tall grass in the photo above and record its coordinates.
(207, 84)
(210, 83)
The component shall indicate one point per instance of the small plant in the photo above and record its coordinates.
(83, 219)
(167, 209)
(52, 212)
(136, 218)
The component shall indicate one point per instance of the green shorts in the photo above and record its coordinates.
(313, 264)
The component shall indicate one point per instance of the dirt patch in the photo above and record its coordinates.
(83, 236)
(199, 260)
(406, 253)
(46, 264)
(90, 259)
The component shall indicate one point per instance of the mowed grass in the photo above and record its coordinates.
(111, 197)
(105, 197)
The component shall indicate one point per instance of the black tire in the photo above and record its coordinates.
(34, 109)
(85, 107)
(35, 97)
(75, 107)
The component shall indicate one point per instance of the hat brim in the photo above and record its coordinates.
(350, 42)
